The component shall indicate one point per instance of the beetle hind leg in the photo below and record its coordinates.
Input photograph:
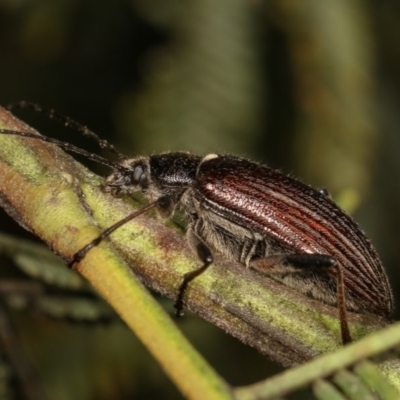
(297, 262)
(292, 263)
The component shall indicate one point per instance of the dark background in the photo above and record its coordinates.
(311, 88)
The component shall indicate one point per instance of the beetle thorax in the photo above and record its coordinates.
(164, 175)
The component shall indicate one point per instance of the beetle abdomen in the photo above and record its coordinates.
(298, 218)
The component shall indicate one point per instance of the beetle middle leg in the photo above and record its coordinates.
(296, 262)
(205, 255)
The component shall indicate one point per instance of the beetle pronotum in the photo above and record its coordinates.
(252, 214)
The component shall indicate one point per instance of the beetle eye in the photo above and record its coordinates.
(137, 173)
(140, 176)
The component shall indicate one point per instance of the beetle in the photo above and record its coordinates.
(255, 215)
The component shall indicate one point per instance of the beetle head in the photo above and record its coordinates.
(165, 175)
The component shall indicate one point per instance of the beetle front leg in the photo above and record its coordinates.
(292, 263)
(204, 254)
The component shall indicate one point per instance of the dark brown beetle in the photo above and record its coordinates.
(255, 215)
(266, 220)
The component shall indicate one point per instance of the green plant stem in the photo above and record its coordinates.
(325, 390)
(326, 366)
(373, 378)
(40, 196)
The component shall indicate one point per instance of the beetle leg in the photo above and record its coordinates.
(292, 263)
(247, 251)
(287, 263)
(204, 254)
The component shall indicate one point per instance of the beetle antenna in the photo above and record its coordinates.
(68, 122)
(77, 257)
(66, 146)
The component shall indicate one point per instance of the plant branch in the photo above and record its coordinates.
(384, 344)
(55, 198)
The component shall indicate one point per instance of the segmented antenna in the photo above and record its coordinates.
(66, 146)
(67, 122)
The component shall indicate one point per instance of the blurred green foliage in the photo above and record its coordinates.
(309, 87)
